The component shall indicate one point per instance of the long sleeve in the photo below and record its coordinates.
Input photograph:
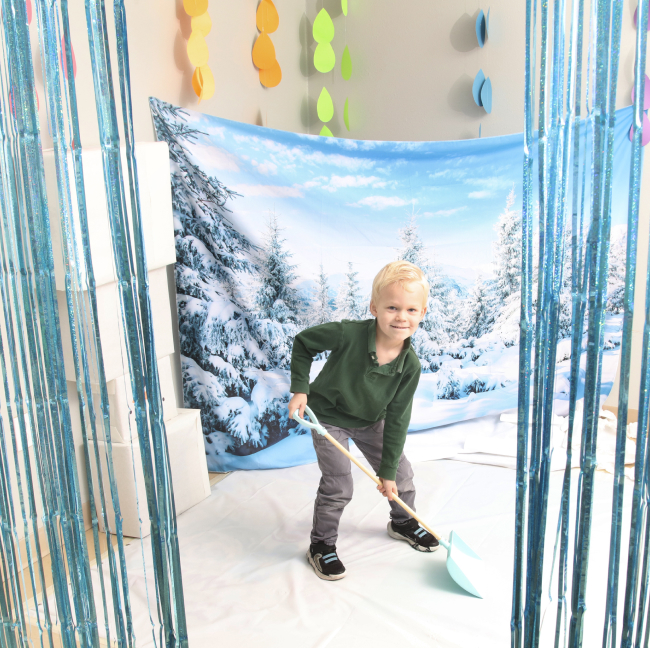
(307, 344)
(398, 416)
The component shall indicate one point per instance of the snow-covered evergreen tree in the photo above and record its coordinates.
(223, 361)
(616, 277)
(479, 309)
(507, 250)
(349, 304)
(322, 310)
(276, 299)
(504, 301)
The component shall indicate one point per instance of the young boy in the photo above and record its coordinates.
(365, 393)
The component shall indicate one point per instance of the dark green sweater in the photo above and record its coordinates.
(352, 390)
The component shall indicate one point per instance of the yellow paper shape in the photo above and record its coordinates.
(346, 117)
(344, 7)
(267, 18)
(195, 7)
(271, 77)
(324, 57)
(202, 23)
(326, 132)
(325, 106)
(346, 64)
(264, 52)
(323, 28)
(203, 82)
(197, 49)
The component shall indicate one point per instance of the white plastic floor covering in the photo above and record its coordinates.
(247, 582)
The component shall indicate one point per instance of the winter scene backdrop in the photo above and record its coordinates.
(278, 231)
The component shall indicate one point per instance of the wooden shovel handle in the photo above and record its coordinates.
(374, 478)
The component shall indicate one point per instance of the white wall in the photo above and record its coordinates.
(413, 64)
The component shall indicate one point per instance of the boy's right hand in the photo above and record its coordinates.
(297, 402)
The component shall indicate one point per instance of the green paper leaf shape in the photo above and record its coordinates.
(344, 7)
(346, 118)
(346, 64)
(326, 132)
(323, 28)
(325, 106)
(324, 58)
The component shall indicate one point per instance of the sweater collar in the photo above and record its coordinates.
(372, 347)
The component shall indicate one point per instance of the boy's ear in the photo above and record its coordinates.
(373, 309)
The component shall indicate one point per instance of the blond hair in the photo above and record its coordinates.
(403, 273)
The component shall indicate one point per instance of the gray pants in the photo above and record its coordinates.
(335, 488)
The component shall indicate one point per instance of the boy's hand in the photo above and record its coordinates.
(387, 488)
(297, 402)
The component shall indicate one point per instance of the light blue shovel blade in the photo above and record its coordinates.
(465, 566)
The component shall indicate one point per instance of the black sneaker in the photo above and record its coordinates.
(325, 561)
(411, 531)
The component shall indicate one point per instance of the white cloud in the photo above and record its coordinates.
(452, 174)
(443, 213)
(343, 182)
(283, 155)
(479, 194)
(492, 183)
(268, 191)
(266, 168)
(214, 157)
(382, 202)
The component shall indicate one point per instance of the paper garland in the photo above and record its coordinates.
(267, 20)
(482, 86)
(197, 48)
(324, 61)
(346, 64)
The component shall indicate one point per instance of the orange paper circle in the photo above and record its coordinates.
(271, 77)
(203, 82)
(202, 23)
(197, 49)
(267, 18)
(263, 52)
(195, 7)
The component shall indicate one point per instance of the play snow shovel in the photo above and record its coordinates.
(464, 566)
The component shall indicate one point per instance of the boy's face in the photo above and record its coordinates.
(399, 311)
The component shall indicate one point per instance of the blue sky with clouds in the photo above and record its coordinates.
(344, 200)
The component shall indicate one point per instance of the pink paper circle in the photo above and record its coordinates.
(646, 93)
(636, 12)
(645, 134)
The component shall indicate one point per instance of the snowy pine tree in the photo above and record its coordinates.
(504, 302)
(348, 303)
(322, 311)
(616, 277)
(223, 363)
(276, 300)
(507, 250)
(479, 309)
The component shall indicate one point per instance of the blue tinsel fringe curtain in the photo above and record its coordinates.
(43, 539)
(574, 50)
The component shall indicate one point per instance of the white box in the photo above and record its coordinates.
(188, 467)
(155, 207)
(120, 399)
(111, 330)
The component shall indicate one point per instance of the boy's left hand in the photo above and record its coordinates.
(387, 488)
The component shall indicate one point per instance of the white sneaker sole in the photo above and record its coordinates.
(320, 574)
(418, 547)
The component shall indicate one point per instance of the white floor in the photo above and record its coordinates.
(247, 582)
